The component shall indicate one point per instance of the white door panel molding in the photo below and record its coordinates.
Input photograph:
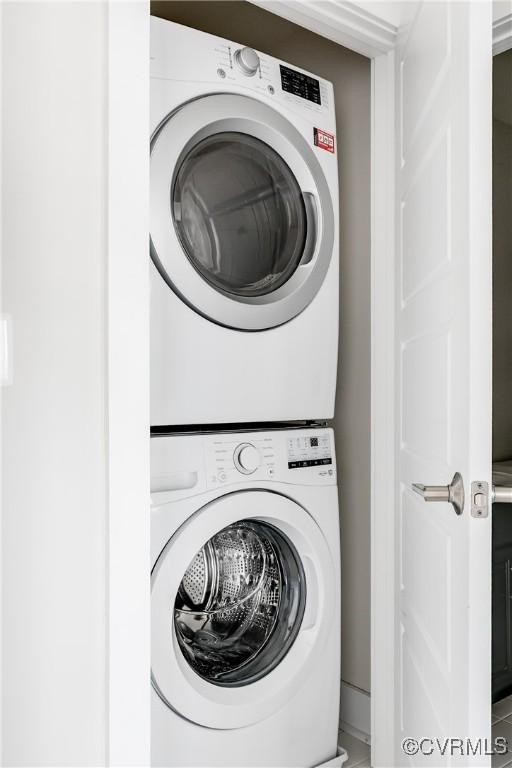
(443, 348)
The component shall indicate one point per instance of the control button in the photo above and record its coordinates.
(247, 60)
(246, 458)
(271, 471)
(221, 72)
(222, 477)
(271, 89)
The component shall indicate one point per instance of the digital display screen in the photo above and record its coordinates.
(308, 463)
(300, 85)
(306, 451)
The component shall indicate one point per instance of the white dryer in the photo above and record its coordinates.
(244, 234)
(245, 599)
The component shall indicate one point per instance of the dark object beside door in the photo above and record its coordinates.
(501, 601)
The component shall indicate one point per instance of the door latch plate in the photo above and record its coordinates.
(479, 499)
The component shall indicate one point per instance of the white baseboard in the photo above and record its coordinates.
(355, 717)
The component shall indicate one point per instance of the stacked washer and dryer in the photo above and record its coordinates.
(245, 581)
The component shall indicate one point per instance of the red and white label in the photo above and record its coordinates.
(323, 140)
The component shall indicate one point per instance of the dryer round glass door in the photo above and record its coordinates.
(240, 604)
(239, 214)
(242, 221)
(242, 598)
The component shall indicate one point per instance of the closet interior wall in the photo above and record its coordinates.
(350, 74)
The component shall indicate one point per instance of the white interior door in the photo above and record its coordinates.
(443, 601)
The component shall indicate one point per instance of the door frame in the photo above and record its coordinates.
(373, 34)
(128, 701)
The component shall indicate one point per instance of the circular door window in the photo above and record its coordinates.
(239, 214)
(240, 604)
(242, 217)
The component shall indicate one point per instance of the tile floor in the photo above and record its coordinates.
(358, 751)
(502, 726)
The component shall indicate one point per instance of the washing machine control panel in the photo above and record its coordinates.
(309, 451)
(304, 456)
(247, 458)
(237, 457)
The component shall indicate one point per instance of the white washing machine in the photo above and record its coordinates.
(245, 599)
(244, 234)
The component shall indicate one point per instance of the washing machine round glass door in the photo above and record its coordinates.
(237, 608)
(242, 222)
(240, 603)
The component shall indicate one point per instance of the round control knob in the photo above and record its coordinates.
(247, 60)
(247, 458)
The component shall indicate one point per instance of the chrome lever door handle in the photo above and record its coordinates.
(501, 494)
(453, 493)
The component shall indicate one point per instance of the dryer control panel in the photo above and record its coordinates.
(184, 54)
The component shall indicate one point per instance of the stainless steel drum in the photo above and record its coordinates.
(240, 603)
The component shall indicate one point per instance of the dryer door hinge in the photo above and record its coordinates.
(480, 499)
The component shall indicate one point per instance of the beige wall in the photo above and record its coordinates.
(502, 257)
(350, 74)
